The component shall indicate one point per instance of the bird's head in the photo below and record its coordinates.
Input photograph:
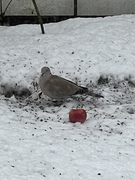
(45, 70)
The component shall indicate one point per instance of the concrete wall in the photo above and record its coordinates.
(105, 7)
(66, 7)
(46, 7)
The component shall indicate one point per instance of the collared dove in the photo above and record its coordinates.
(57, 87)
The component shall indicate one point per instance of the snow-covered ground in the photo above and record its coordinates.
(37, 141)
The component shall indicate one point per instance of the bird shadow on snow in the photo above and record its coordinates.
(118, 93)
(52, 106)
(110, 115)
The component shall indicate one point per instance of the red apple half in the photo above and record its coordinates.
(77, 115)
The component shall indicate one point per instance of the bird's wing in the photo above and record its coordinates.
(61, 87)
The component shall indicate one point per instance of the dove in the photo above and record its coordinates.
(58, 88)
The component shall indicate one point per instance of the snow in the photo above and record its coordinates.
(37, 141)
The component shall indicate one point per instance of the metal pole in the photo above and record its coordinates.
(39, 17)
(75, 8)
(7, 7)
(1, 14)
(1, 7)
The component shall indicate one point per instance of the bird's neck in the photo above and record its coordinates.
(46, 75)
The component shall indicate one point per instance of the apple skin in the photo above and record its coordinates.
(77, 115)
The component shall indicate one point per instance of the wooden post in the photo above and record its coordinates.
(39, 17)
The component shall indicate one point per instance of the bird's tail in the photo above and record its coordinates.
(82, 90)
(86, 91)
(94, 94)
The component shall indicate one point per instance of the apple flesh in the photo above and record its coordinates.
(77, 115)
